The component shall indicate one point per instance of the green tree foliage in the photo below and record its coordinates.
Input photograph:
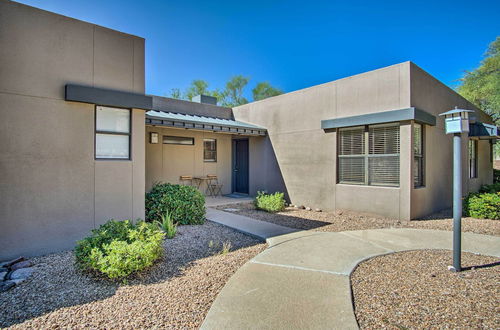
(197, 87)
(231, 95)
(234, 90)
(263, 90)
(482, 85)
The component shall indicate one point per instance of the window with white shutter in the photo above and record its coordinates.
(369, 155)
(352, 155)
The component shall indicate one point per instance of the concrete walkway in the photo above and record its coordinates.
(301, 281)
(256, 228)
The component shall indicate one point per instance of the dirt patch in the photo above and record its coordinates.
(414, 290)
(347, 220)
(175, 293)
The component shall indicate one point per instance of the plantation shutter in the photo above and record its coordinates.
(383, 157)
(352, 155)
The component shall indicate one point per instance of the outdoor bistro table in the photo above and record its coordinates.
(199, 180)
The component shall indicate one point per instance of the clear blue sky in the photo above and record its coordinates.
(292, 44)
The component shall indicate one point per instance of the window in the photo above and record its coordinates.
(418, 155)
(210, 150)
(188, 141)
(472, 158)
(112, 133)
(369, 155)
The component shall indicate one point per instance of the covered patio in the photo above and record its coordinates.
(198, 150)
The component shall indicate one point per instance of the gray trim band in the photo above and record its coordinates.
(381, 117)
(109, 97)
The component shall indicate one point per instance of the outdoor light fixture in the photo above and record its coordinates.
(457, 122)
(153, 138)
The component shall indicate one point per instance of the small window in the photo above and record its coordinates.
(369, 155)
(112, 133)
(472, 159)
(210, 150)
(418, 155)
(187, 141)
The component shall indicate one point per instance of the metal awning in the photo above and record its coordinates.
(218, 125)
(484, 131)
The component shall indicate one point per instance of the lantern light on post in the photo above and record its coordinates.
(457, 122)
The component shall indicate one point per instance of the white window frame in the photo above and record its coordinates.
(113, 132)
(419, 158)
(210, 160)
(367, 155)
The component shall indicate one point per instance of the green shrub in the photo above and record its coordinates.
(270, 202)
(496, 176)
(185, 204)
(119, 248)
(490, 188)
(482, 205)
(167, 225)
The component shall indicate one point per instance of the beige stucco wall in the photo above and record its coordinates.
(429, 94)
(306, 155)
(167, 162)
(53, 191)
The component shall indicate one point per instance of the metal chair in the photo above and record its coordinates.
(186, 179)
(214, 188)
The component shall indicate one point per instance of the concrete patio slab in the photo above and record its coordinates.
(256, 228)
(328, 252)
(305, 300)
(301, 281)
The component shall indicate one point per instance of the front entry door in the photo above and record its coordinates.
(240, 166)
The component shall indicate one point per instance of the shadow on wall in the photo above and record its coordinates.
(57, 284)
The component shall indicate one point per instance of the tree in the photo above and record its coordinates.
(482, 85)
(175, 93)
(234, 90)
(263, 90)
(197, 87)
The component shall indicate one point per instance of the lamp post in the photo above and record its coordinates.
(456, 123)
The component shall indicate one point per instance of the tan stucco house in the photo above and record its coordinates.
(81, 142)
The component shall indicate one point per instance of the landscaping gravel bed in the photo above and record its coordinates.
(414, 290)
(175, 293)
(347, 220)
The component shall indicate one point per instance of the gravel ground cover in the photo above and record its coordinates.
(175, 293)
(347, 220)
(414, 290)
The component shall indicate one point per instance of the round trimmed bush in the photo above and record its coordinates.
(483, 206)
(185, 204)
(120, 248)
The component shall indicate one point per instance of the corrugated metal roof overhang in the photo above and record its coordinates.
(218, 125)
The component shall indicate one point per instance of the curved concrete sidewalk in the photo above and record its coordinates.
(302, 279)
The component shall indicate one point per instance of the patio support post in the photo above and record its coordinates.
(457, 201)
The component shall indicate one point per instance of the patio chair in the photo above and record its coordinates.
(214, 188)
(186, 180)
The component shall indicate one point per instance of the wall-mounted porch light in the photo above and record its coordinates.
(457, 122)
(153, 137)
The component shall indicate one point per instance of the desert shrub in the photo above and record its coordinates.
(490, 188)
(482, 205)
(270, 202)
(185, 204)
(167, 225)
(119, 248)
(496, 176)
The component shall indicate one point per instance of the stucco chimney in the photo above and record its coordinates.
(204, 99)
